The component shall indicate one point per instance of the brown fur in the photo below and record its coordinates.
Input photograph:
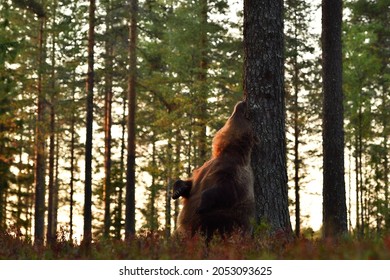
(219, 196)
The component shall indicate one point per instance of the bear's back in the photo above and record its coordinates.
(239, 191)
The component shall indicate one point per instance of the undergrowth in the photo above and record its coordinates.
(148, 246)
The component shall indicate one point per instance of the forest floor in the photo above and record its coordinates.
(157, 247)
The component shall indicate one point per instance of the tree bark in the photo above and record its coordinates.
(108, 125)
(334, 204)
(72, 170)
(264, 91)
(89, 123)
(40, 155)
(51, 229)
(202, 85)
(118, 223)
(130, 172)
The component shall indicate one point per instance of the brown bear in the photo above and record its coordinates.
(219, 196)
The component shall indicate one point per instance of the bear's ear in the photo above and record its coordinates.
(181, 188)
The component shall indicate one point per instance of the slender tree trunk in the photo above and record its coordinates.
(51, 230)
(130, 173)
(297, 133)
(177, 172)
(40, 156)
(203, 87)
(72, 149)
(89, 122)
(153, 193)
(3, 184)
(30, 191)
(358, 187)
(334, 203)
(55, 187)
(118, 224)
(21, 199)
(350, 188)
(264, 91)
(359, 173)
(168, 209)
(297, 161)
(107, 127)
(385, 135)
(72, 172)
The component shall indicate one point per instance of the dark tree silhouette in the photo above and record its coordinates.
(130, 172)
(334, 205)
(89, 123)
(264, 90)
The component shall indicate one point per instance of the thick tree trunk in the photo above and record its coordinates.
(334, 204)
(264, 91)
(130, 173)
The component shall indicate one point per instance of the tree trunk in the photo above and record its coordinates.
(297, 130)
(72, 148)
(89, 123)
(118, 223)
(51, 230)
(130, 173)
(202, 85)
(385, 135)
(168, 209)
(297, 160)
(107, 125)
(55, 187)
(4, 170)
(177, 171)
(72, 171)
(334, 204)
(264, 91)
(40, 156)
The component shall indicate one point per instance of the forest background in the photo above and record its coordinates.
(189, 58)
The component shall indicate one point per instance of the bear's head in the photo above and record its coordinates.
(236, 135)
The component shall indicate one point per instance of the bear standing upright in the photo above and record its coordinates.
(219, 197)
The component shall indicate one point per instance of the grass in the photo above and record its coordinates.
(155, 246)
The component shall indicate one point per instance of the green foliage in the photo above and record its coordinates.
(366, 87)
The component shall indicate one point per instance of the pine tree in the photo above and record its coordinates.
(53, 191)
(108, 120)
(264, 90)
(89, 123)
(334, 201)
(367, 99)
(130, 173)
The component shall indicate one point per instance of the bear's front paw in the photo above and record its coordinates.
(181, 188)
